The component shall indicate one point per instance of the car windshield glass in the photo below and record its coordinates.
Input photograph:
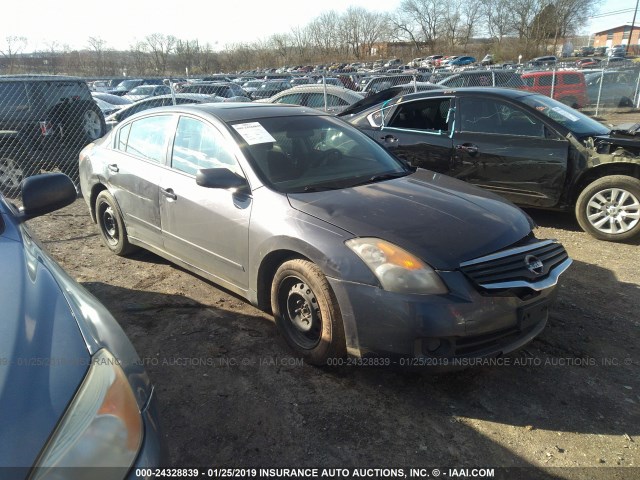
(143, 90)
(309, 153)
(577, 122)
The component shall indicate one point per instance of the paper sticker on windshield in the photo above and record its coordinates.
(565, 114)
(254, 133)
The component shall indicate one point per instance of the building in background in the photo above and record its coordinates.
(620, 35)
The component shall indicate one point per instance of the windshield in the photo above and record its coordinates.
(143, 90)
(128, 84)
(579, 124)
(310, 153)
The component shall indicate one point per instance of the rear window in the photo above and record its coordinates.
(13, 96)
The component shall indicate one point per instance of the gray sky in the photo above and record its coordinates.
(120, 24)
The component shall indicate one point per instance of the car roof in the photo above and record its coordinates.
(232, 111)
(39, 78)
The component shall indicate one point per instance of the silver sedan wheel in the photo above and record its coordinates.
(10, 173)
(92, 125)
(613, 211)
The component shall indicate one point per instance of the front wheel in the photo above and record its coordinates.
(609, 208)
(111, 224)
(307, 312)
(93, 124)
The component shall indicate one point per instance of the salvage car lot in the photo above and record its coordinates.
(231, 394)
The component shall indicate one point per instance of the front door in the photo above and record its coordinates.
(207, 228)
(509, 150)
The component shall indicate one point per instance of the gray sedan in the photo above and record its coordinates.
(353, 251)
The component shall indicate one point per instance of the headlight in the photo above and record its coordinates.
(397, 270)
(101, 428)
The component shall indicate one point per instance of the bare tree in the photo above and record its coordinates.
(14, 46)
(160, 47)
(97, 46)
(419, 22)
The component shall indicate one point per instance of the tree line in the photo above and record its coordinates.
(506, 28)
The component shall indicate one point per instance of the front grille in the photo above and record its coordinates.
(516, 267)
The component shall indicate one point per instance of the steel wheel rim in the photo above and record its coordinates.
(613, 211)
(109, 225)
(92, 124)
(10, 174)
(300, 311)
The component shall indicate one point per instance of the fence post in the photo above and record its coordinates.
(415, 80)
(599, 91)
(636, 95)
(553, 81)
(324, 88)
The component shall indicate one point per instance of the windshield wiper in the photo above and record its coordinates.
(381, 177)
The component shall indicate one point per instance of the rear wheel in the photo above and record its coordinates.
(609, 208)
(307, 312)
(111, 224)
(93, 124)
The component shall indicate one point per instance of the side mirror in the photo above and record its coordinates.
(220, 178)
(46, 193)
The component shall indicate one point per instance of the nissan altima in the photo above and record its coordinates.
(352, 250)
(74, 395)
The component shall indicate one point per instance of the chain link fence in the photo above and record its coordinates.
(45, 121)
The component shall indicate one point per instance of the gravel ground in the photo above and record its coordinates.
(231, 394)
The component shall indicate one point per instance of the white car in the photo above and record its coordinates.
(337, 98)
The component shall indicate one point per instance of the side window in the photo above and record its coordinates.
(148, 137)
(123, 136)
(483, 115)
(528, 81)
(426, 115)
(198, 145)
(547, 80)
(293, 99)
(13, 97)
(571, 79)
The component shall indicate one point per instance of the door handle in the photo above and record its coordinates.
(389, 138)
(470, 148)
(114, 167)
(169, 193)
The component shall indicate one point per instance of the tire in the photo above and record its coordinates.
(609, 208)
(93, 124)
(11, 175)
(307, 313)
(111, 225)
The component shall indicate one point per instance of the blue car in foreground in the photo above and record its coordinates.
(73, 391)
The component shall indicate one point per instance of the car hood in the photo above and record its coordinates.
(43, 354)
(442, 220)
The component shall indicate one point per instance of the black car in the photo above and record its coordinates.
(269, 88)
(44, 123)
(228, 90)
(527, 147)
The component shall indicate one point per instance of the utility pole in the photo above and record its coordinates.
(633, 24)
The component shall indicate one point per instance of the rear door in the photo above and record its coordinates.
(134, 173)
(505, 148)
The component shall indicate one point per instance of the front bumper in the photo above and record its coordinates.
(153, 452)
(466, 323)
